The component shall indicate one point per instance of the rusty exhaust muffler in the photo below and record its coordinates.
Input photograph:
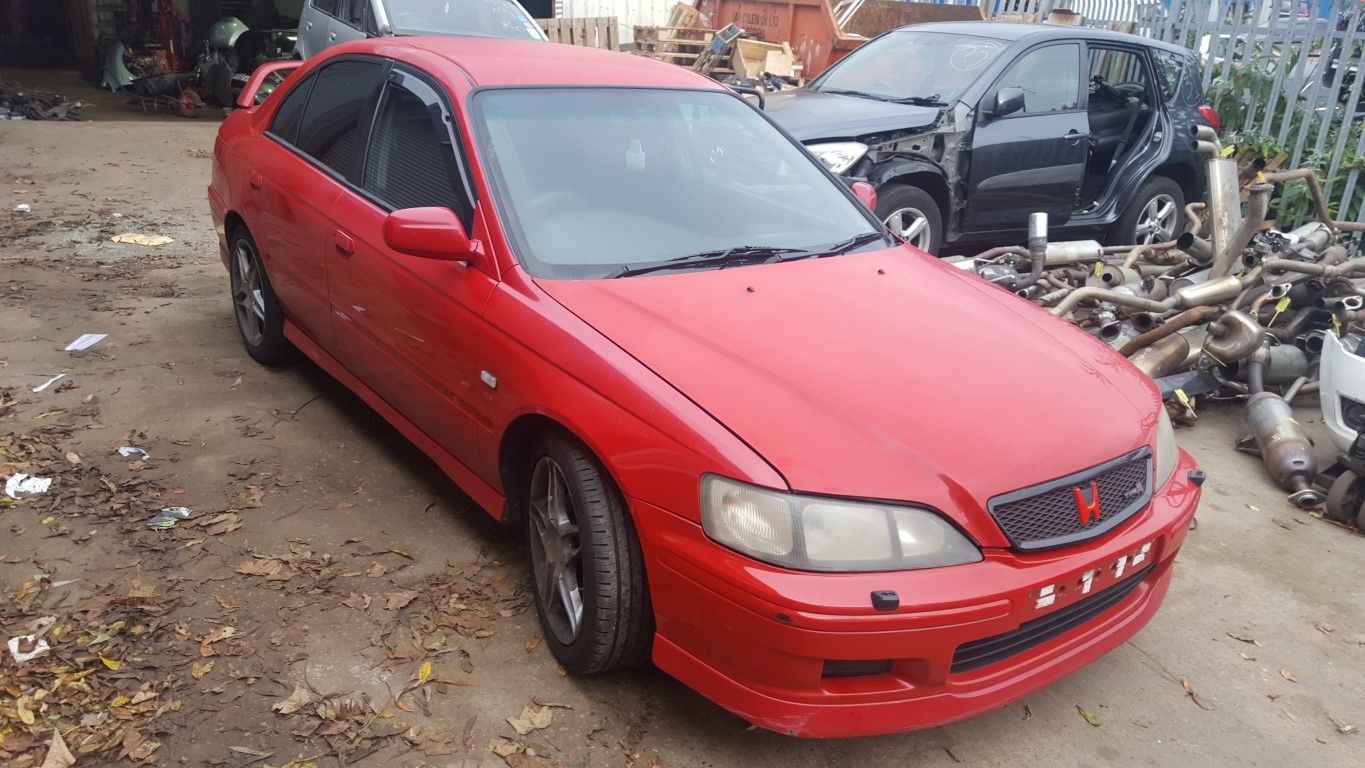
(1285, 449)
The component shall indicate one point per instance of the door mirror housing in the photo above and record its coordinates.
(1008, 101)
(866, 193)
(247, 98)
(430, 233)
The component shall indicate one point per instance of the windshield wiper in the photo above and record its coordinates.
(921, 101)
(845, 92)
(838, 249)
(751, 254)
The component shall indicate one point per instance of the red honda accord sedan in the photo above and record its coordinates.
(832, 484)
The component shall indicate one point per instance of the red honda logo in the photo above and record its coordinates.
(1089, 511)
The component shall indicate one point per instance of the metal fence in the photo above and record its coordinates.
(1281, 72)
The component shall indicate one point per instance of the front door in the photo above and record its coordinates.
(407, 326)
(354, 21)
(1034, 159)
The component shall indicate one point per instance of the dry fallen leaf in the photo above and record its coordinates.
(532, 644)
(112, 664)
(531, 720)
(58, 756)
(1286, 674)
(199, 670)
(300, 698)
(1028, 712)
(503, 747)
(1251, 640)
(1185, 683)
(72, 457)
(424, 672)
(1322, 627)
(1342, 727)
(1088, 715)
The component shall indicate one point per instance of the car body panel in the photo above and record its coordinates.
(904, 436)
(811, 115)
(821, 375)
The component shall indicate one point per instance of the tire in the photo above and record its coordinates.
(1154, 215)
(899, 206)
(585, 561)
(260, 319)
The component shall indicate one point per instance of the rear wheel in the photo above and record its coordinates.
(912, 215)
(1153, 216)
(587, 570)
(260, 319)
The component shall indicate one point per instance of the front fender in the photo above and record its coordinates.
(881, 173)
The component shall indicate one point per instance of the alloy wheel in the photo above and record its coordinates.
(1156, 223)
(248, 298)
(912, 226)
(556, 553)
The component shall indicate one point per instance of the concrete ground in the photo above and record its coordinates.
(362, 561)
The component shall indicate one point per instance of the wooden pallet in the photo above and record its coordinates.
(593, 32)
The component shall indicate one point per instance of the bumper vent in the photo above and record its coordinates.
(1050, 515)
(1030, 634)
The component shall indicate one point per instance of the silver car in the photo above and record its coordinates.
(325, 23)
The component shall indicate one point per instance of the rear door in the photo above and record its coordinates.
(1034, 159)
(315, 24)
(354, 21)
(408, 326)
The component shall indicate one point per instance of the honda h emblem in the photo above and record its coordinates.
(1089, 511)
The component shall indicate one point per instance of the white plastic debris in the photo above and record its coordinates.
(22, 208)
(136, 238)
(168, 517)
(128, 451)
(118, 215)
(86, 341)
(37, 647)
(21, 483)
(48, 383)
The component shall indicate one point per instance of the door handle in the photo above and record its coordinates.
(257, 180)
(344, 243)
(1074, 136)
(332, 36)
(309, 25)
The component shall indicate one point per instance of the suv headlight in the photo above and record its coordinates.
(817, 534)
(1167, 452)
(838, 156)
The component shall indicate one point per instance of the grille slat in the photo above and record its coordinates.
(1030, 634)
(1046, 516)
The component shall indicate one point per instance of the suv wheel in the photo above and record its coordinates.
(912, 215)
(1154, 215)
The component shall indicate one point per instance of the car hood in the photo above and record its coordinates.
(883, 375)
(811, 115)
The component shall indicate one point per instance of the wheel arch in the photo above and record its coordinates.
(233, 220)
(922, 175)
(516, 443)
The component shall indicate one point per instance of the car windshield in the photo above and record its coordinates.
(615, 182)
(912, 66)
(474, 18)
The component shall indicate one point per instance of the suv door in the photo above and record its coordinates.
(408, 326)
(314, 25)
(354, 21)
(1033, 159)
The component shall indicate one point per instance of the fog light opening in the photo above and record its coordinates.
(839, 668)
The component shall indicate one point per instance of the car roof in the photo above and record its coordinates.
(1014, 31)
(497, 61)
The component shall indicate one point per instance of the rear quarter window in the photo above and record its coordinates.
(1170, 68)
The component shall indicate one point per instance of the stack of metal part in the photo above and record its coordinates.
(1227, 309)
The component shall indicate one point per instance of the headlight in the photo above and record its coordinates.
(838, 156)
(817, 534)
(1166, 450)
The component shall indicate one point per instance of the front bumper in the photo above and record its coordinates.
(755, 639)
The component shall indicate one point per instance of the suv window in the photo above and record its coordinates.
(1122, 70)
(1169, 65)
(331, 122)
(1050, 78)
(327, 6)
(357, 14)
(411, 162)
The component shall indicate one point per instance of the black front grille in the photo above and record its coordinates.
(1047, 515)
(1030, 634)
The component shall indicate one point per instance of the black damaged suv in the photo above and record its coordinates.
(966, 128)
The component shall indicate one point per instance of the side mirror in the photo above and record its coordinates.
(866, 193)
(247, 98)
(430, 233)
(1008, 101)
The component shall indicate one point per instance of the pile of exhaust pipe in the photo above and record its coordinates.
(1228, 308)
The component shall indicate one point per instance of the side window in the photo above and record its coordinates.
(411, 162)
(330, 131)
(1050, 78)
(1114, 71)
(327, 6)
(1169, 65)
(357, 14)
(285, 124)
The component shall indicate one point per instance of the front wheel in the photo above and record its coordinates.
(1153, 216)
(912, 215)
(587, 570)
